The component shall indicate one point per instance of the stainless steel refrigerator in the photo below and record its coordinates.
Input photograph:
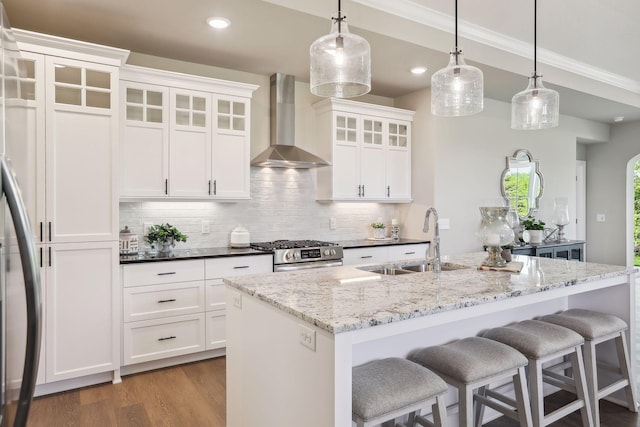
(20, 303)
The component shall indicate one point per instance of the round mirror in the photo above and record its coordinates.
(522, 183)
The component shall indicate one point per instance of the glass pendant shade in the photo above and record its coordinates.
(340, 63)
(457, 89)
(536, 107)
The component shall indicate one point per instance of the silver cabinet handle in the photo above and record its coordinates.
(388, 191)
(166, 274)
(172, 337)
(241, 266)
(162, 301)
(410, 253)
(366, 256)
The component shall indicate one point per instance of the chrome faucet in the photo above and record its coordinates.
(434, 246)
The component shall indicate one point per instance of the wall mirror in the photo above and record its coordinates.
(522, 183)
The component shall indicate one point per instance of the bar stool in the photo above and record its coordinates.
(473, 364)
(595, 328)
(542, 342)
(385, 389)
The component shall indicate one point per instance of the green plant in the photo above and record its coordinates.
(378, 224)
(530, 223)
(164, 233)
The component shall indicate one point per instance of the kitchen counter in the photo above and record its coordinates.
(306, 329)
(181, 254)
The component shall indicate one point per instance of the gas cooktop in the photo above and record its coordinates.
(289, 244)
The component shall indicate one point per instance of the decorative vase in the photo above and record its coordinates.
(494, 233)
(379, 233)
(167, 247)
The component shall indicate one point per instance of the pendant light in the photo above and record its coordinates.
(340, 62)
(457, 89)
(536, 107)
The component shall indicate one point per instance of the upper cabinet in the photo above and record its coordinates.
(369, 147)
(184, 136)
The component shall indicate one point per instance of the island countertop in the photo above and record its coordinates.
(343, 299)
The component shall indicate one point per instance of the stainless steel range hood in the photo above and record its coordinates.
(282, 153)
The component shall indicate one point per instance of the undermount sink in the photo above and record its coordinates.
(423, 266)
(389, 271)
(395, 269)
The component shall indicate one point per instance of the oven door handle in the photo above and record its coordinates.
(307, 265)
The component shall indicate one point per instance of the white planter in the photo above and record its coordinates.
(379, 233)
(533, 237)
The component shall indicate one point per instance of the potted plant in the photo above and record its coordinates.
(533, 230)
(164, 236)
(379, 231)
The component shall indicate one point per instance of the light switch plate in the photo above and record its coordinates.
(237, 299)
(600, 217)
(443, 223)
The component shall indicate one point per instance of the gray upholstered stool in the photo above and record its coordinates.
(542, 342)
(596, 327)
(473, 364)
(388, 388)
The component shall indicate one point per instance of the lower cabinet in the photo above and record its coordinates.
(175, 308)
(571, 250)
(376, 254)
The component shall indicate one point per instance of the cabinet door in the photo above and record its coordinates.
(365, 255)
(82, 306)
(81, 151)
(372, 161)
(346, 158)
(230, 150)
(398, 161)
(144, 140)
(26, 144)
(190, 147)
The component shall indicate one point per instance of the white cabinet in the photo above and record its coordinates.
(68, 175)
(176, 308)
(370, 151)
(198, 130)
(216, 269)
(81, 306)
(382, 254)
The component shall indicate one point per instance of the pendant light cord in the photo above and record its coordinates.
(456, 27)
(340, 18)
(535, 38)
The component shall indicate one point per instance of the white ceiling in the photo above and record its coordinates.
(587, 49)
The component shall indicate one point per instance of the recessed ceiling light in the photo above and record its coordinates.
(419, 70)
(618, 119)
(218, 22)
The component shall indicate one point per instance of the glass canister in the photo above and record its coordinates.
(494, 233)
(128, 242)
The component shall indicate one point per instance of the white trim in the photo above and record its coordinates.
(59, 46)
(348, 106)
(146, 75)
(412, 11)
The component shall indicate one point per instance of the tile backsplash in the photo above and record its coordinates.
(282, 206)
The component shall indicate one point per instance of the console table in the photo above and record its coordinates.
(570, 250)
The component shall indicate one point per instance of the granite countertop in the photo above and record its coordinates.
(195, 253)
(343, 299)
(182, 254)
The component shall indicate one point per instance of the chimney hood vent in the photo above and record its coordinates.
(282, 153)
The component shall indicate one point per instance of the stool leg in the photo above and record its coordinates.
(591, 374)
(581, 386)
(465, 405)
(439, 410)
(522, 398)
(412, 418)
(625, 368)
(537, 394)
(478, 409)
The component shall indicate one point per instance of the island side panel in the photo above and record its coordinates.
(273, 379)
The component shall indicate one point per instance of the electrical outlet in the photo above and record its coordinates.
(206, 228)
(307, 337)
(332, 223)
(600, 217)
(237, 299)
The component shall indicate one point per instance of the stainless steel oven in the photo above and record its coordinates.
(291, 255)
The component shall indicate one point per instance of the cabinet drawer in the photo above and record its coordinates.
(158, 339)
(155, 273)
(402, 252)
(364, 255)
(216, 330)
(235, 266)
(214, 295)
(155, 301)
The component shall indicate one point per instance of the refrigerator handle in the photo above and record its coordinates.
(31, 273)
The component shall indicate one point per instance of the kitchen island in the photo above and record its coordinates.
(292, 338)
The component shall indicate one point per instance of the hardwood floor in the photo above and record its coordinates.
(194, 395)
(187, 395)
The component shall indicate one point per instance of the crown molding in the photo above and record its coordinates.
(412, 11)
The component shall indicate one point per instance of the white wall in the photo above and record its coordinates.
(457, 164)
(606, 193)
